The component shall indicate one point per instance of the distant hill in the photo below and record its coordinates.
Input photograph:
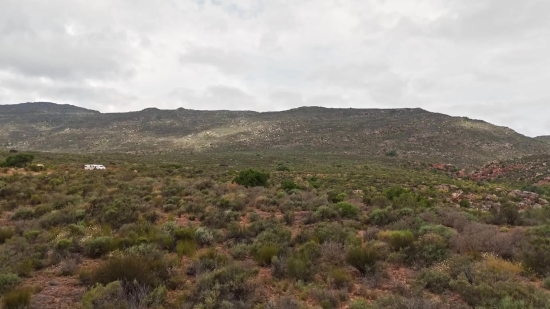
(409, 133)
(544, 138)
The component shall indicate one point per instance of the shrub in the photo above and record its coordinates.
(23, 214)
(97, 247)
(227, 287)
(6, 234)
(299, 268)
(340, 278)
(435, 281)
(252, 178)
(266, 253)
(428, 249)
(147, 270)
(204, 236)
(289, 185)
(17, 299)
(359, 304)
(464, 203)
(19, 160)
(380, 217)
(362, 258)
(103, 297)
(336, 197)
(401, 239)
(546, 283)
(8, 281)
(186, 248)
(347, 210)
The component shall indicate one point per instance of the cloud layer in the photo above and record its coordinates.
(482, 59)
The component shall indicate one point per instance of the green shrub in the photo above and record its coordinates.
(240, 251)
(435, 281)
(401, 239)
(299, 268)
(362, 258)
(97, 247)
(19, 160)
(227, 287)
(336, 197)
(63, 244)
(148, 270)
(186, 248)
(380, 217)
(23, 214)
(266, 253)
(464, 203)
(6, 234)
(18, 299)
(252, 178)
(340, 278)
(289, 185)
(103, 297)
(123, 295)
(546, 283)
(359, 304)
(41, 210)
(8, 281)
(347, 210)
(428, 249)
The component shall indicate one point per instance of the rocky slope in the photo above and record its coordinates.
(410, 133)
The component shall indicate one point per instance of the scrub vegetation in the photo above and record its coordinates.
(268, 230)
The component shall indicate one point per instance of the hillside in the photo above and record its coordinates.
(413, 133)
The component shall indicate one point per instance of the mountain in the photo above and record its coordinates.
(408, 133)
(545, 139)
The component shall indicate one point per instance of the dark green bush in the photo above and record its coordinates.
(19, 160)
(289, 185)
(252, 178)
(464, 203)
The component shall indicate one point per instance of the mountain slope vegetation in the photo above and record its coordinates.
(408, 133)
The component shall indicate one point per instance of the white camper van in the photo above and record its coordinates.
(94, 167)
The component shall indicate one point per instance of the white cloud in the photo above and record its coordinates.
(482, 59)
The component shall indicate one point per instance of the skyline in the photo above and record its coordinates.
(478, 59)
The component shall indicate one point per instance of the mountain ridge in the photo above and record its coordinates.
(411, 133)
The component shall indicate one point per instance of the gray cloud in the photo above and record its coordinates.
(481, 59)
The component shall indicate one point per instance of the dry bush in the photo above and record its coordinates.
(478, 237)
(333, 252)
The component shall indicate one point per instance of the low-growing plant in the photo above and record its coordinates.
(8, 281)
(362, 258)
(347, 210)
(266, 253)
(17, 299)
(5, 234)
(186, 248)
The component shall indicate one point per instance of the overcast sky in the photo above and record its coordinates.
(485, 59)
